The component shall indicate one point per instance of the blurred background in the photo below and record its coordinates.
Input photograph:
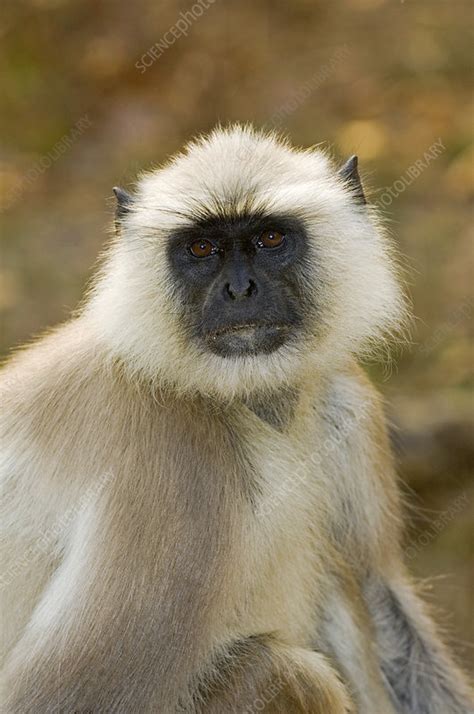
(94, 91)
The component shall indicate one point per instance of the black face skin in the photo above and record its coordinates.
(244, 292)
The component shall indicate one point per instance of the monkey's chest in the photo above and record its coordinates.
(280, 557)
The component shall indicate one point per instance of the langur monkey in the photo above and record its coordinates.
(201, 512)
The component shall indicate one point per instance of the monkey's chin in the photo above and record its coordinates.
(246, 340)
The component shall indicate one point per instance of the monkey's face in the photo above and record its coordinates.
(241, 282)
(241, 265)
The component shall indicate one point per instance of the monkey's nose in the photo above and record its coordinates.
(240, 292)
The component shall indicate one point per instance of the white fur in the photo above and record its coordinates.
(240, 168)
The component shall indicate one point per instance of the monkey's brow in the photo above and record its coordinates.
(186, 215)
(192, 218)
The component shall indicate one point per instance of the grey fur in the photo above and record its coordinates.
(415, 664)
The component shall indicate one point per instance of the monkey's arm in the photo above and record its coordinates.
(111, 636)
(102, 641)
(68, 671)
(418, 670)
(91, 472)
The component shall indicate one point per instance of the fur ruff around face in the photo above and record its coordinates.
(351, 273)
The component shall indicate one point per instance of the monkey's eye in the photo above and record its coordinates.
(202, 248)
(270, 239)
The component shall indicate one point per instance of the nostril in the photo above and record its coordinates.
(228, 291)
(251, 289)
(240, 293)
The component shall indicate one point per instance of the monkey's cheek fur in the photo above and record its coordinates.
(244, 340)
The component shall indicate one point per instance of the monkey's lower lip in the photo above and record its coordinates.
(245, 327)
(247, 338)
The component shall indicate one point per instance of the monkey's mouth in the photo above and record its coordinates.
(249, 338)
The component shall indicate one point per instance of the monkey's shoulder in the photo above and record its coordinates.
(51, 369)
(355, 440)
(60, 388)
(357, 461)
(65, 399)
(349, 399)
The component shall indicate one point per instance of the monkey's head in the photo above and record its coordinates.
(242, 264)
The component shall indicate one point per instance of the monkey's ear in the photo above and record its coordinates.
(350, 175)
(124, 201)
